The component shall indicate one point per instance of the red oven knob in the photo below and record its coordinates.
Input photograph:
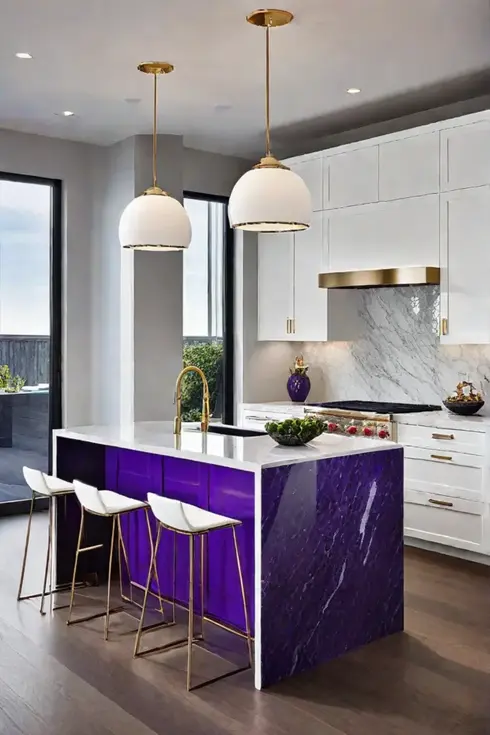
(383, 434)
(352, 430)
(332, 427)
(367, 431)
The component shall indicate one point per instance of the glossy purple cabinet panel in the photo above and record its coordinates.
(186, 481)
(231, 494)
(135, 474)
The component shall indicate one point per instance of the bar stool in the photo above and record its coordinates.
(189, 520)
(43, 486)
(108, 504)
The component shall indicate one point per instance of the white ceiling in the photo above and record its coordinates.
(85, 57)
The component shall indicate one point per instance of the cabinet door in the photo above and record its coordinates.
(311, 171)
(409, 167)
(310, 313)
(465, 156)
(385, 235)
(275, 286)
(351, 178)
(465, 265)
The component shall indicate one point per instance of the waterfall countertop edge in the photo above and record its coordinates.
(249, 453)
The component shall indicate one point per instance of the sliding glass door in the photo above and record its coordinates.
(30, 330)
(208, 307)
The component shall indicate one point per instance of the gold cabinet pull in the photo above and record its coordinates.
(442, 503)
(439, 456)
(444, 328)
(288, 331)
(443, 436)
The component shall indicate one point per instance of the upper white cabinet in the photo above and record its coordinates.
(291, 306)
(385, 235)
(465, 266)
(275, 286)
(311, 171)
(465, 156)
(350, 178)
(409, 167)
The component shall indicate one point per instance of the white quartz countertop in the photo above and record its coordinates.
(251, 453)
(444, 420)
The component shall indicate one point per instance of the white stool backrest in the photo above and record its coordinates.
(89, 498)
(170, 512)
(35, 480)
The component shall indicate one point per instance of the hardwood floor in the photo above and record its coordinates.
(434, 678)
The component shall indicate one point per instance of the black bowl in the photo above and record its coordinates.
(464, 408)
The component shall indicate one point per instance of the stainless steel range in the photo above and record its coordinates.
(369, 419)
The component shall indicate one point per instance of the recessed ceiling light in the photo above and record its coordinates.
(23, 55)
(68, 113)
(353, 90)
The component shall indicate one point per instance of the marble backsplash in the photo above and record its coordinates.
(399, 356)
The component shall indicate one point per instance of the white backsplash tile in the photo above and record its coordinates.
(399, 356)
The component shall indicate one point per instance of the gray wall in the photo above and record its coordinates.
(71, 162)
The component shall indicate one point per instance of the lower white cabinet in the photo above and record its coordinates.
(465, 265)
(445, 487)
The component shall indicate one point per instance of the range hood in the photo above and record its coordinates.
(407, 276)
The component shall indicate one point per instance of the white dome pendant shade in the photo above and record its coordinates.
(155, 220)
(270, 197)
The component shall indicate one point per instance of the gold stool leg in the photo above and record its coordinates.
(242, 587)
(108, 606)
(147, 589)
(26, 547)
(153, 563)
(75, 565)
(190, 634)
(121, 545)
(48, 554)
(202, 584)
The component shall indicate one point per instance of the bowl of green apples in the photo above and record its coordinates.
(295, 432)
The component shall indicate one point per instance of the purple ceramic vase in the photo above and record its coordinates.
(298, 387)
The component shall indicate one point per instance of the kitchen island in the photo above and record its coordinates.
(321, 540)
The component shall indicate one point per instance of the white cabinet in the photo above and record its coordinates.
(291, 306)
(409, 167)
(385, 235)
(465, 266)
(275, 286)
(465, 156)
(445, 498)
(311, 171)
(350, 178)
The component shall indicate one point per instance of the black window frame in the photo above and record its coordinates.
(55, 318)
(228, 414)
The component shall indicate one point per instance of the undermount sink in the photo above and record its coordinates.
(230, 431)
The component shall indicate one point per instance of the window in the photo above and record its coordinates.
(208, 306)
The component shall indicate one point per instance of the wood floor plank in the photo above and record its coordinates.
(432, 680)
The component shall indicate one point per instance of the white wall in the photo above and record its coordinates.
(59, 159)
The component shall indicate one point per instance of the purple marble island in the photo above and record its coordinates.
(321, 541)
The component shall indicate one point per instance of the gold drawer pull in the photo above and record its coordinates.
(439, 456)
(443, 503)
(443, 436)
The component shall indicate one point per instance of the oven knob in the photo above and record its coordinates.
(332, 427)
(367, 431)
(352, 430)
(383, 434)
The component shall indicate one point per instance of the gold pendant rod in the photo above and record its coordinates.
(267, 90)
(155, 129)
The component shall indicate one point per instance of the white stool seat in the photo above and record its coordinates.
(116, 503)
(186, 518)
(47, 485)
(105, 502)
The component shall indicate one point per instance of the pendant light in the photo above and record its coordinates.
(270, 197)
(155, 220)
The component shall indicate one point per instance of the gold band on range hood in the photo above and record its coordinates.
(409, 276)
